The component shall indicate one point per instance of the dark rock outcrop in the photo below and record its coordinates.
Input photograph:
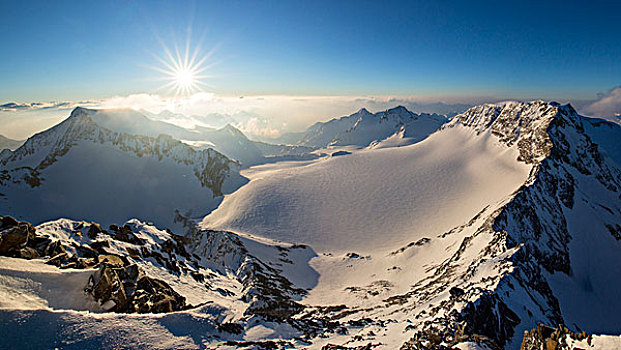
(14, 235)
(128, 289)
(543, 337)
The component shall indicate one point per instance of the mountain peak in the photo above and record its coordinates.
(524, 123)
(229, 127)
(363, 111)
(399, 108)
(80, 112)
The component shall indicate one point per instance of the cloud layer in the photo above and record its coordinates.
(608, 105)
(261, 116)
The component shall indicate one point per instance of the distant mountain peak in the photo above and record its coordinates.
(79, 111)
(362, 112)
(399, 108)
(231, 128)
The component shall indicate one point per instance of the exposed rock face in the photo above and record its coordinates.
(268, 293)
(524, 124)
(127, 289)
(19, 239)
(543, 337)
(477, 315)
(533, 225)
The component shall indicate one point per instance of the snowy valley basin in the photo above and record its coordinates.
(387, 230)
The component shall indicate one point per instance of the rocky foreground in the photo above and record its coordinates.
(118, 283)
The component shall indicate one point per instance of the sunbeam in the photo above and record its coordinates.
(183, 73)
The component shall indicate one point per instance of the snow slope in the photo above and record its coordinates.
(533, 237)
(32, 285)
(375, 200)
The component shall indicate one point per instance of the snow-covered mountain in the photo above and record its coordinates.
(508, 215)
(234, 144)
(363, 128)
(227, 140)
(82, 169)
(8, 143)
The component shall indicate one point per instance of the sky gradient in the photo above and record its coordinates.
(72, 50)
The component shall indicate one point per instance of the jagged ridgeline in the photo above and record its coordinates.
(534, 239)
(82, 169)
(554, 243)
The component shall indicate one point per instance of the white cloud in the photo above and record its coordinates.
(608, 105)
(258, 127)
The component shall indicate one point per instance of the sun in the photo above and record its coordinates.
(185, 78)
(183, 73)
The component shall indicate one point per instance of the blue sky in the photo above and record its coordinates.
(72, 50)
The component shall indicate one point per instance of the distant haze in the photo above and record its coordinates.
(259, 116)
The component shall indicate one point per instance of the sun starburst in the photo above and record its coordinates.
(184, 73)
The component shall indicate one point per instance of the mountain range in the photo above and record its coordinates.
(363, 128)
(388, 230)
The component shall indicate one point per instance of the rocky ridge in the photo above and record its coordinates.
(529, 236)
(126, 258)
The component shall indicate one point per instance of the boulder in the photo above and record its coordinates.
(544, 337)
(7, 221)
(127, 289)
(25, 253)
(456, 292)
(106, 287)
(112, 259)
(14, 236)
(94, 230)
(50, 248)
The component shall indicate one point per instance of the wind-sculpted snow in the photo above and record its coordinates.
(378, 199)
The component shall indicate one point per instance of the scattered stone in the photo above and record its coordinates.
(112, 259)
(125, 234)
(25, 253)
